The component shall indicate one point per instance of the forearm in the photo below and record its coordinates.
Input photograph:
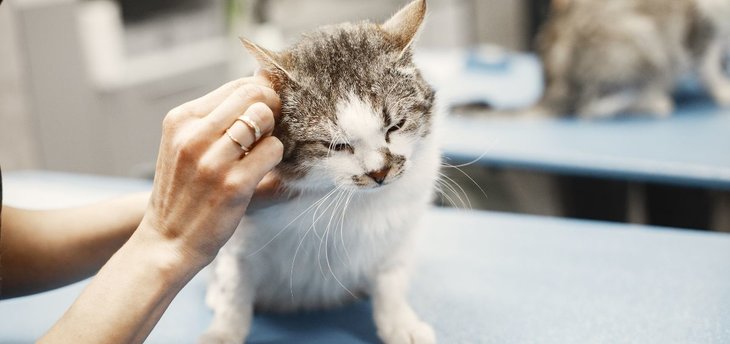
(43, 250)
(129, 294)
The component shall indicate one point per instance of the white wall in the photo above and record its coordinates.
(448, 24)
(17, 146)
(502, 23)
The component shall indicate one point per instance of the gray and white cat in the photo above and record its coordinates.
(360, 150)
(605, 57)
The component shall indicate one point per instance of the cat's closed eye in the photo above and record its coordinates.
(339, 147)
(395, 128)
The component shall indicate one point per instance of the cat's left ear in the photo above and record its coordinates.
(404, 26)
(272, 62)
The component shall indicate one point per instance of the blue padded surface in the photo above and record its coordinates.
(690, 148)
(479, 278)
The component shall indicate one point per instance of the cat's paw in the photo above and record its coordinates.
(216, 337)
(410, 332)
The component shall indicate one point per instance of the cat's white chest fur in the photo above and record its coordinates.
(322, 250)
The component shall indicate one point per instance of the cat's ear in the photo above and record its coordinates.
(404, 26)
(268, 60)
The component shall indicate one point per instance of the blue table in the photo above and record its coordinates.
(691, 148)
(480, 278)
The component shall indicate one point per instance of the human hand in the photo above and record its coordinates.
(203, 181)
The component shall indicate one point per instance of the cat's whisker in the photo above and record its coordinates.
(345, 199)
(316, 210)
(452, 182)
(348, 196)
(453, 192)
(339, 228)
(444, 194)
(325, 239)
(472, 162)
(290, 223)
(333, 133)
(449, 187)
(301, 241)
(458, 168)
(342, 227)
(326, 255)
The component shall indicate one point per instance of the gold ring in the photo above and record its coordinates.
(238, 143)
(251, 124)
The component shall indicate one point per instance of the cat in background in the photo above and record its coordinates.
(603, 58)
(357, 124)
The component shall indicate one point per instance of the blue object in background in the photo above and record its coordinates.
(690, 148)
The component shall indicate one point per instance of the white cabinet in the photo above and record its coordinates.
(107, 125)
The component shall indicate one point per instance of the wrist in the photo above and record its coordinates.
(173, 261)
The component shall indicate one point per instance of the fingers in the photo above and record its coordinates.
(260, 161)
(269, 185)
(202, 106)
(226, 148)
(182, 116)
(223, 116)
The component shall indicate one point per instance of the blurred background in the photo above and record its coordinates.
(84, 86)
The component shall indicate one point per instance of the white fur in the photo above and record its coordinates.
(335, 240)
(363, 129)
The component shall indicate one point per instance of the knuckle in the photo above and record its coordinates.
(189, 146)
(261, 109)
(186, 153)
(250, 92)
(262, 114)
(235, 84)
(207, 170)
(245, 183)
(232, 186)
(175, 116)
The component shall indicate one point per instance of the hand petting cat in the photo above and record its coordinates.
(204, 180)
(214, 152)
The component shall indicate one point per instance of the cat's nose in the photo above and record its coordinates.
(379, 176)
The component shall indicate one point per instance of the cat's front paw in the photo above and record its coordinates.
(217, 337)
(408, 332)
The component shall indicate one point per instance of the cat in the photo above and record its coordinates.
(361, 153)
(604, 58)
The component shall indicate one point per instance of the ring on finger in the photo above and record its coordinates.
(238, 143)
(245, 119)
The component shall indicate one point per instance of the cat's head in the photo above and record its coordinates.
(354, 106)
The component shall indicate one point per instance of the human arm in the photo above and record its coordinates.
(202, 187)
(47, 249)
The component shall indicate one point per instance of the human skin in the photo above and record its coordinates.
(203, 185)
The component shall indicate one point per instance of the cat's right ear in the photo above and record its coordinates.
(268, 60)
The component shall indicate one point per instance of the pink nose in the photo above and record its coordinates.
(379, 176)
